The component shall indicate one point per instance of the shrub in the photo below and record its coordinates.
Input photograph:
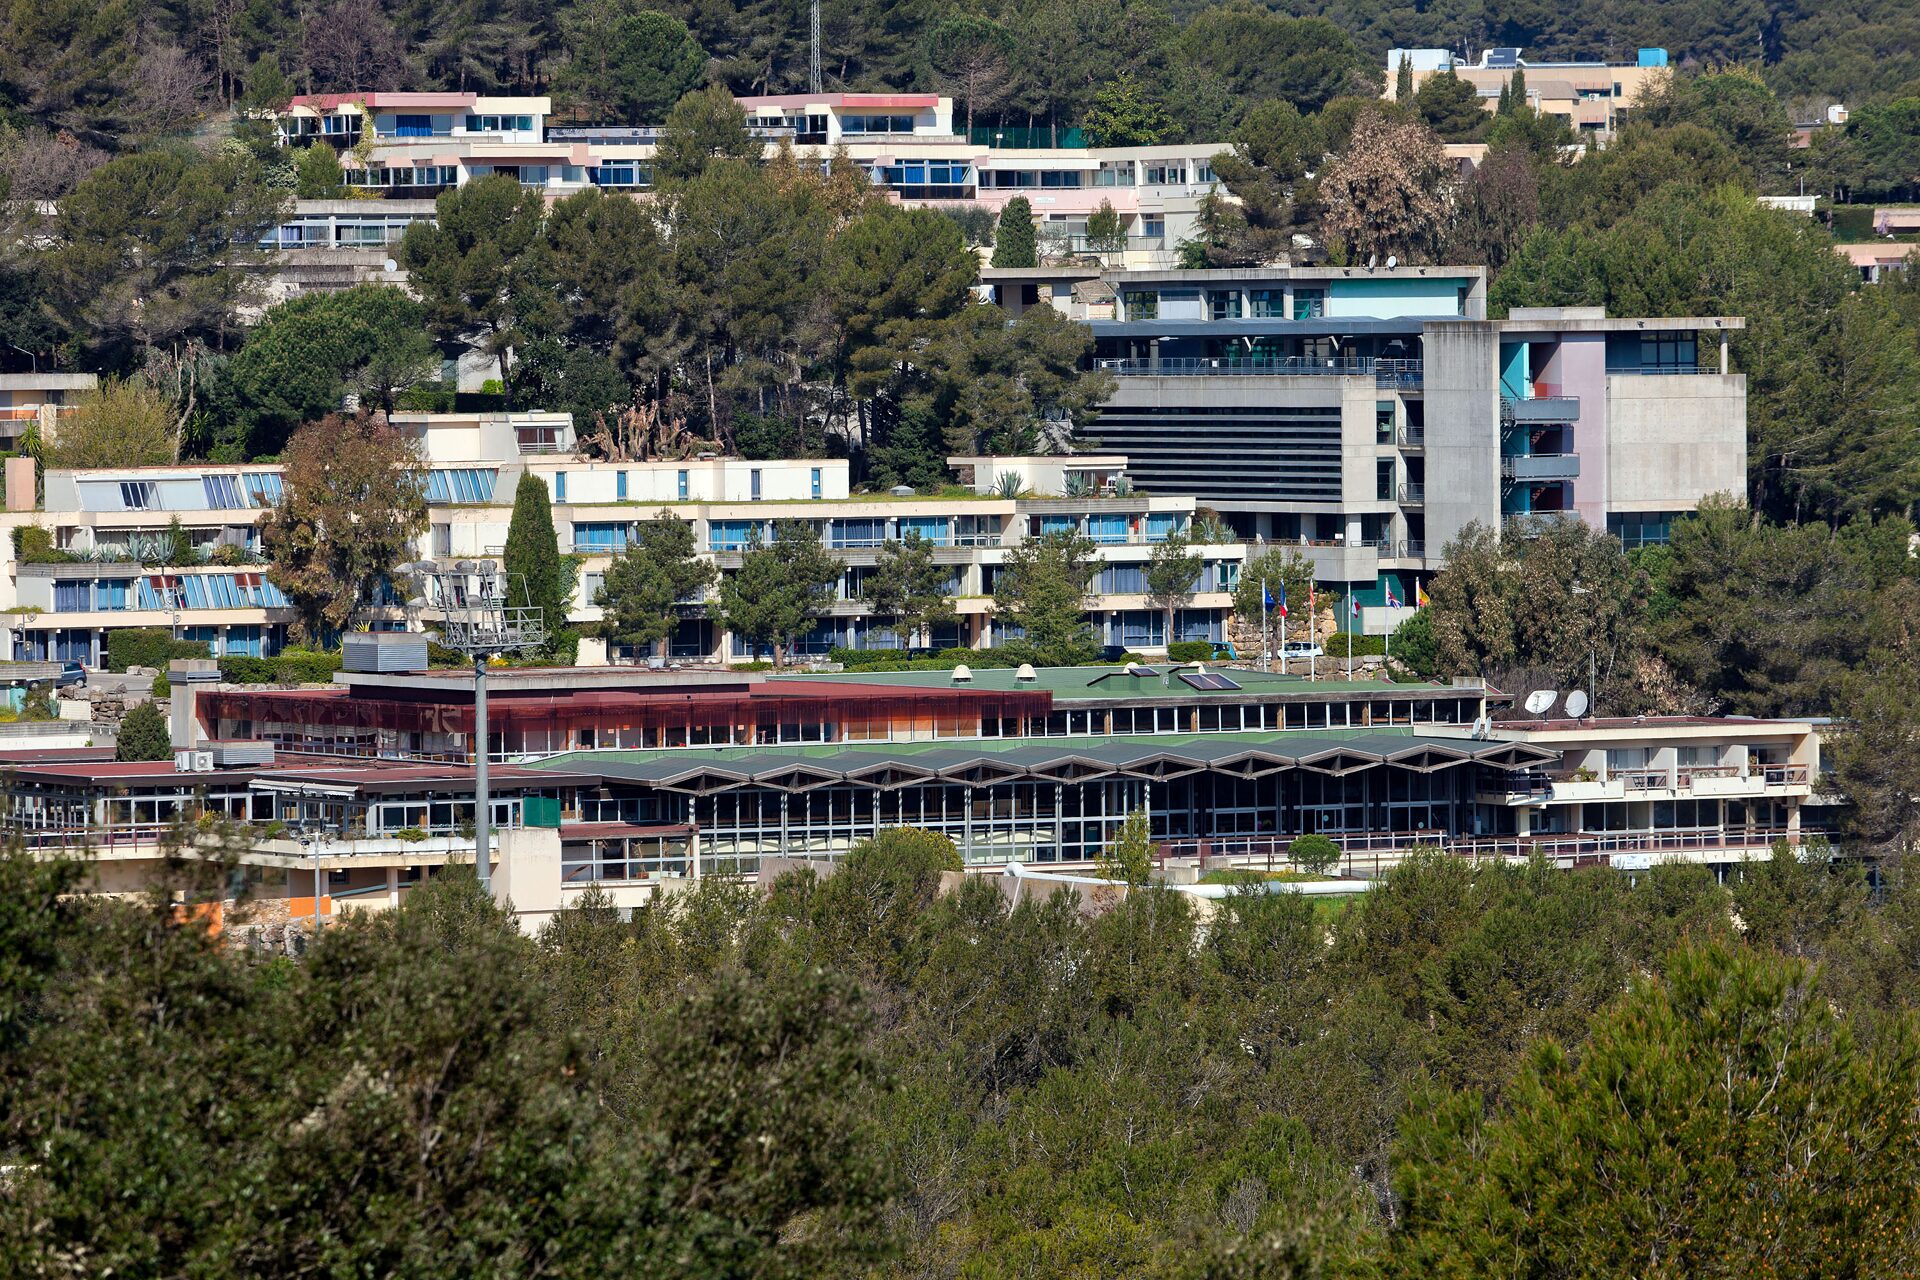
(1190, 650)
(1315, 853)
(410, 835)
(38, 703)
(146, 647)
(34, 545)
(306, 666)
(144, 735)
(239, 668)
(162, 687)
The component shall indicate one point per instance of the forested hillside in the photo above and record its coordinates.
(118, 72)
(1471, 1071)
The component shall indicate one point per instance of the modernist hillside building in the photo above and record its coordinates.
(110, 527)
(909, 144)
(1361, 416)
(1366, 415)
(1594, 98)
(625, 777)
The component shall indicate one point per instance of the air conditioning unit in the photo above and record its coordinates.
(187, 760)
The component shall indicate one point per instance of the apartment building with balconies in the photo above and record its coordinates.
(33, 402)
(409, 147)
(115, 561)
(1594, 98)
(1366, 415)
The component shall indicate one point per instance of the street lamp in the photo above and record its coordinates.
(476, 620)
(313, 837)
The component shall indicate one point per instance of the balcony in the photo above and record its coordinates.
(1413, 495)
(1543, 410)
(1413, 437)
(1664, 371)
(1531, 468)
(1385, 373)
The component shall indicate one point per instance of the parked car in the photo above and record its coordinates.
(1293, 649)
(70, 674)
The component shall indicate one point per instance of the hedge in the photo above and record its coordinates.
(146, 647)
(1190, 650)
(292, 666)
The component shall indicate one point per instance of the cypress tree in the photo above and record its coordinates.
(1516, 94)
(1403, 82)
(537, 574)
(1014, 244)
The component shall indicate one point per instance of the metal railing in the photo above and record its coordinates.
(1684, 370)
(1413, 435)
(1371, 853)
(1413, 494)
(1395, 373)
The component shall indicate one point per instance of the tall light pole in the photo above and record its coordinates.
(477, 620)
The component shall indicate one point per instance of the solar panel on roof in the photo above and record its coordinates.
(1207, 680)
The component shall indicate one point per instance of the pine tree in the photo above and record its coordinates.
(1014, 244)
(1517, 89)
(646, 581)
(780, 589)
(909, 587)
(144, 735)
(537, 574)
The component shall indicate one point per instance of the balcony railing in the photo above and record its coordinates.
(1413, 494)
(1663, 371)
(1386, 373)
(1413, 436)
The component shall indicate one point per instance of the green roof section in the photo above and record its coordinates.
(1068, 684)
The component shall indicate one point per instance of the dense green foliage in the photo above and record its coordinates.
(780, 588)
(144, 735)
(875, 1072)
(140, 647)
(648, 578)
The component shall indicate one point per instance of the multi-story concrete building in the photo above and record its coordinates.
(110, 531)
(1593, 97)
(35, 401)
(1367, 415)
(411, 146)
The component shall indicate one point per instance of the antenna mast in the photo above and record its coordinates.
(813, 67)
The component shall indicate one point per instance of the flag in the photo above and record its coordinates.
(1353, 606)
(1420, 600)
(1281, 607)
(1392, 601)
(1312, 608)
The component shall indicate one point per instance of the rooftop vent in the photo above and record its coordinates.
(1025, 672)
(963, 674)
(902, 491)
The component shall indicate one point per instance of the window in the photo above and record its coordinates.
(460, 484)
(856, 532)
(729, 535)
(815, 481)
(1309, 304)
(1143, 304)
(1383, 479)
(413, 126)
(935, 529)
(620, 173)
(681, 482)
(1107, 529)
(1223, 305)
(599, 537)
(620, 486)
(1153, 225)
(139, 495)
(559, 486)
(1162, 525)
(1123, 580)
(1166, 175)
(1383, 416)
(223, 493)
(263, 488)
(73, 597)
(110, 595)
(876, 124)
(753, 484)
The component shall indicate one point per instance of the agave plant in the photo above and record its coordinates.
(1078, 486)
(1009, 485)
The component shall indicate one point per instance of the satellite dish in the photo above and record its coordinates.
(1371, 259)
(1577, 704)
(1392, 262)
(1540, 699)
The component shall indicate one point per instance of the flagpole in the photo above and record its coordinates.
(1283, 634)
(1352, 616)
(1313, 640)
(1266, 648)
